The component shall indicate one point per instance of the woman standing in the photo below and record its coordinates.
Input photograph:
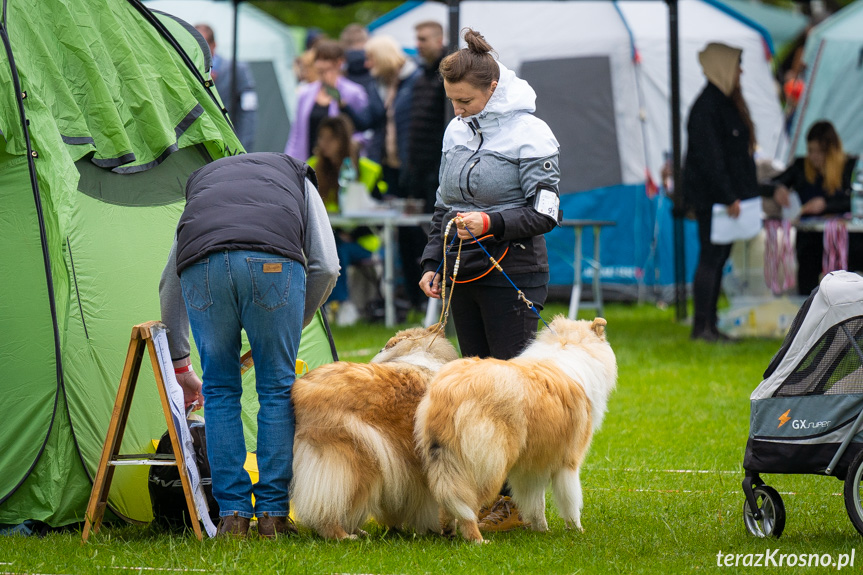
(499, 177)
(823, 181)
(719, 169)
(396, 75)
(499, 165)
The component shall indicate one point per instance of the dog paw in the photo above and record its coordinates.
(361, 533)
(541, 527)
(351, 537)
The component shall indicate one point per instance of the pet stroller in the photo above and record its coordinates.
(807, 413)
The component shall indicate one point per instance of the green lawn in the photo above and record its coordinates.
(662, 486)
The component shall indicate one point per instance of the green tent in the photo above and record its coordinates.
(104, 113)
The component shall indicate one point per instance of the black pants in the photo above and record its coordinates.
(412, 242)
(708, 277)
(810, 251)
(492, 322)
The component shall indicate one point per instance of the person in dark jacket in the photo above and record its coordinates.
(823, 181)
(428, 120)
(396, 75)
(428, 116)
(354, 38)
(254, 250)
(719, 169)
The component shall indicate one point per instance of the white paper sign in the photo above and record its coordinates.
(726, 230)
(178, 412)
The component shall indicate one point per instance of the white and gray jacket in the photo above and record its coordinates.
(496, 162)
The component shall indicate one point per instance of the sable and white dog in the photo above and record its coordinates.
(527, 420)
(354, 452)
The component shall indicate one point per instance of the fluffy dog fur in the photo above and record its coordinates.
(354, 453)
(528, 420)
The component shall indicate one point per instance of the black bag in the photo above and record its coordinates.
(166, 488)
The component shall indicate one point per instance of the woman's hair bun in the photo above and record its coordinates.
(476, 42)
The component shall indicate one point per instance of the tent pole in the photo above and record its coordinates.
(454, 24)
(679, 210)
(232, 104)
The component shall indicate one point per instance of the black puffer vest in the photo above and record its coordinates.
(247, 202)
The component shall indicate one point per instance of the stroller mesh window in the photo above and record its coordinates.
(832, 366)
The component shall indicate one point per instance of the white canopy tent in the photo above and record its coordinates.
(633, 36)
(601, 73)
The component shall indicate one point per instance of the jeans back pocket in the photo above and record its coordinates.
(195, 281)
(271, 281)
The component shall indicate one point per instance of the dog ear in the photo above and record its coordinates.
(598, 326)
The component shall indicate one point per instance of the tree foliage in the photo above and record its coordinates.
(329, 18)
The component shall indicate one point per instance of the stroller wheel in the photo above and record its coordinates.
(853, 495)
(772, 509)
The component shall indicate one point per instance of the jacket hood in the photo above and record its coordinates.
(511, 95)
(719, 62)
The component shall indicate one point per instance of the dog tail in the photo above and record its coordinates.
(324, 485)
(465, 457)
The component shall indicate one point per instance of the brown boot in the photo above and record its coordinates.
(271, 526)
(503, 516)
(233, 526)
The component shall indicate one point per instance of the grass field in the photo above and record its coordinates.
(661, 487)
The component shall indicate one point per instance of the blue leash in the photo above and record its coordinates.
(500, 269)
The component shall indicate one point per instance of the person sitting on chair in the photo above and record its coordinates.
(822, 179)
(338, 164)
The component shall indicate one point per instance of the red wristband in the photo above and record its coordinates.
(486, 223)
(184, 369)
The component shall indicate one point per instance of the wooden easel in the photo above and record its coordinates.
(141, 337)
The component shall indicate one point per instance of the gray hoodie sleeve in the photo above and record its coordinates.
(174, 308)
(322, 260)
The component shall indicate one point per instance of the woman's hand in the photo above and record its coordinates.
(430, 284)
(813, 207)
(734, 209)
(780, 194)
(476, 222)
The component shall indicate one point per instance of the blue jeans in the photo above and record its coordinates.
(265, 294)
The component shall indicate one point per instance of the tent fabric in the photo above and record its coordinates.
(117, 117)
(783, 24)
(833, 78)
(614, 134)
(265, 44)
